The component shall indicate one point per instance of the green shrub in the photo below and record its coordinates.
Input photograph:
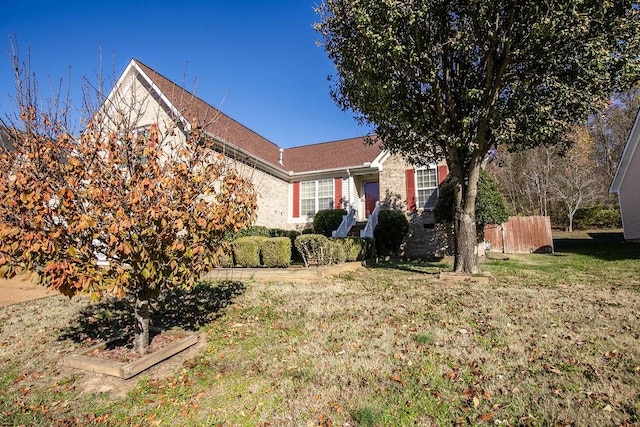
(278, 232)
(255, 230)
(597, 217)
(246, 251)
(325, 221)
(292, 235)
(391, 231)
(307, 231)
(314, 249)
(355, 248)
(370, 248)
(223, 260)
(490, 207)
(276, 252)
(337, 254)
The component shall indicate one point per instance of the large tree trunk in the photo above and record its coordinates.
(466, 258)
(465, 235)
(141, 329)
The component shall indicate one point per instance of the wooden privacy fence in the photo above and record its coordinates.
(520, 234)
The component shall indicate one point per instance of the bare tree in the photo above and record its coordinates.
(574, 181)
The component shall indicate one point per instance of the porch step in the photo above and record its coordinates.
(355, 230)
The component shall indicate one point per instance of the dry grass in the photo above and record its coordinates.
(554, 340)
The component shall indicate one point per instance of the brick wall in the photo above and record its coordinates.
(393, 193)
(272, 200)
(426, 239)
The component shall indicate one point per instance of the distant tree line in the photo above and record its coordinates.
(570, 182)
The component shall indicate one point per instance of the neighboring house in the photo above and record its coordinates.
(293, 183)
(626, 184)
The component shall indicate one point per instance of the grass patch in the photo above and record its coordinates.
(553, 340)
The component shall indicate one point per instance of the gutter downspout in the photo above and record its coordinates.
(349, 188)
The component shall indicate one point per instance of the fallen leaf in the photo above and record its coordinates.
(486, 417)
(397, 379)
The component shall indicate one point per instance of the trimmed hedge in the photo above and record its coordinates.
(276, 252)
(337, 254)
(327, 220)
(355, 248)
(314, 248)
(223, 260)
(259, 230)
(254, 230)
(246, 251)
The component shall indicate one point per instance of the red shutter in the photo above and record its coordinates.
(443, 171)
(296, 199)
(337, 193)
(410, 183)
(153, 135)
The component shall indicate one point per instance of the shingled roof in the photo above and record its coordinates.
(214, 121)
(346, 153)
(316, 157)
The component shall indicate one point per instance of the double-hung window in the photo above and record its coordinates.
(315, 196)
(427, 187)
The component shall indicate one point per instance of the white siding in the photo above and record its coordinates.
(629, 196)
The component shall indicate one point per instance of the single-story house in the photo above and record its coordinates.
(626, 184)
(293, 183)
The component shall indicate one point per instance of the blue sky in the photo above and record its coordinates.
(255, 60)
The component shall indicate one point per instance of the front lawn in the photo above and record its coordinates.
(553, 340)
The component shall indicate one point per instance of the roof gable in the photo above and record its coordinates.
(629, 151)
(334, 155)
(214, 121)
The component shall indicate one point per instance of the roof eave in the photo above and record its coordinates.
(358, 169)
(178, 114)
(264, 165)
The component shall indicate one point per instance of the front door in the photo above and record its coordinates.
(371, 196)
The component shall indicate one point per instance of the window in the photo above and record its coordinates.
(315, 196)
(427, 187)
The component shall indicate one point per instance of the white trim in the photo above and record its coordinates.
(354, 170)
(316, 198)
(257, 163)
(380, 159)
(627, 155)
(436, 189)
(164, 98)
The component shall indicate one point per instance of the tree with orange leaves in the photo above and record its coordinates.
(116, 210)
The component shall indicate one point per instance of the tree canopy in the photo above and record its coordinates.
(490, 207)
(451, 79)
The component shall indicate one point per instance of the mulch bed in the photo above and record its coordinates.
(121, 350)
